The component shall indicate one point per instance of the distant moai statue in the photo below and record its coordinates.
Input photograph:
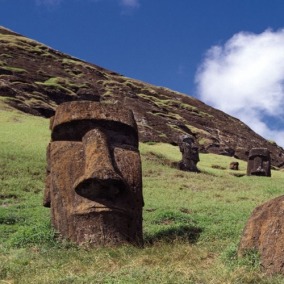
(94, 179)
(259, 162)
(190, 154)
(234, 166)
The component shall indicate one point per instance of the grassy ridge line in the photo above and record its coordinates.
(192, 222)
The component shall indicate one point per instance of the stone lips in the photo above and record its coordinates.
(94, 178)
(264, 233)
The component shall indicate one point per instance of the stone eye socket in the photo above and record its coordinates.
(117, 133)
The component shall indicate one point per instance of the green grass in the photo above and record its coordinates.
(13, 69)
(62, 83)
(192, 222)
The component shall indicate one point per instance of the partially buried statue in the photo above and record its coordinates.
(94, 180)
(190, 155)
(259, 163)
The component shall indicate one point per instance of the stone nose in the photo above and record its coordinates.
(100, 180)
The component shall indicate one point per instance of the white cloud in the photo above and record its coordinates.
(130, 3)
(245, 78)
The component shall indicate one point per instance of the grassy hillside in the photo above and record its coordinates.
(192, 222)
(35, 79)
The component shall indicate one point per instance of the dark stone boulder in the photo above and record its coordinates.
(234, 166)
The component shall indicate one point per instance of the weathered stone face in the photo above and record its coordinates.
(259, 162)
(264, 233)
(94, 181)
(190, 155)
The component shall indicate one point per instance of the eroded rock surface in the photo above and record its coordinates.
(264, 232)
(94, 181)
(35, 78)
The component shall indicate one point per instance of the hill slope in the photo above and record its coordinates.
(191, 226)
(35, 79)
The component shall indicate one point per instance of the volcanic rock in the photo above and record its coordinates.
(234, 166)
(36, 79)
(94, 177)
(264, 233)
(190, 154)
(259, 163)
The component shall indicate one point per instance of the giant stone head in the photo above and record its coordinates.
(94, 181)
(259, 162)
(190, 154)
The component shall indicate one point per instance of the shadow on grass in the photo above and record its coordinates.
(184, 233)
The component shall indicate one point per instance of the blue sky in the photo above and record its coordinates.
(192, 46)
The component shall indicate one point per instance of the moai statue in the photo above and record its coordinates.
(94, 180)
(234, 166)
(259, 162)
(190, 155)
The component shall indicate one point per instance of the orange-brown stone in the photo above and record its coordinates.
(264, 232)
(94, 181)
